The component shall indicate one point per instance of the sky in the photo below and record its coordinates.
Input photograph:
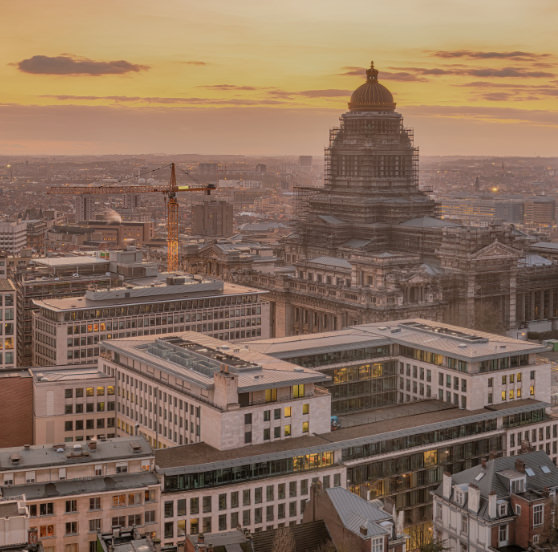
(271, 77)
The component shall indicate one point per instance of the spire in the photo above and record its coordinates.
(372, 74)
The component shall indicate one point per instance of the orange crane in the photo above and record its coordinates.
(171, 199)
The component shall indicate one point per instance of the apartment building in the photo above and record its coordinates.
(191, 388)
(72, 404)
(8, 338)
(75, 490)
(69, 330)
(505, 503)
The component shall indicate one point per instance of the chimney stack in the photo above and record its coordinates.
(519, 466)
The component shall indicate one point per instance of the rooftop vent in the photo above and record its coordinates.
(462, 345)
(136, 446)
(26, 447)
(15, 458)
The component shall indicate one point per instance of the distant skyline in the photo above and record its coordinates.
(270, 78)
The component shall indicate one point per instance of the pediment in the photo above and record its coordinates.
(496, 250)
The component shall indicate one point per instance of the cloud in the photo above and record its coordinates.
(507, 72)
(71, 65)
(403, 76)
(167, 100)
(228, 87)
(328, 93)
(349, 71)
(194, 62)
(515, 55)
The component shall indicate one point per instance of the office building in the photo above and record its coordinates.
(74, 490)
(72, 404)
(212, 218)
(504, 504)
(192, 388)
(13, 237)
(69, 330)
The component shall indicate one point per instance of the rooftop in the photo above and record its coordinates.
(70, 261)
(36, 456)
(157, 291)
(77, 372)
(6, 285)
(197, 358)
(436, 337)
(392, 422)
(69, 487)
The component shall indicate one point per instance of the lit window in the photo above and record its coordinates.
(270, 395)
(503, 395)
(298, 391)
(305, 427)
(518, 393)
(430, 457)
(531, 390)
(510, 394)
(288, 430)
(306, 408)
(287, 412)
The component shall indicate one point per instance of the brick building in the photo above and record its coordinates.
(16, 405)
(506, 502)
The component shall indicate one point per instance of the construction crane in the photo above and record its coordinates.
(171, 199)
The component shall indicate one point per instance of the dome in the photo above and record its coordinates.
(371, 96)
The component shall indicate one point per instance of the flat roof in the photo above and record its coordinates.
(173, 354)
(69, 487)
(36, 456)
(146, 294)
(437, 337)
(68, 261)
(77, 372)
(395, 422)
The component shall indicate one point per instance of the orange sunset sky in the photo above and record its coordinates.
(271, 77)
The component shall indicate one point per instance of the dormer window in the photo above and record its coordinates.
(459, 496)
(517, 485)
(502, 508)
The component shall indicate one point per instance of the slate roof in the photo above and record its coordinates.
(355, 512)
(428, 222)
(331, 261)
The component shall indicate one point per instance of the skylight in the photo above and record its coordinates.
(479, 476)
(529, 472)
(545, 469)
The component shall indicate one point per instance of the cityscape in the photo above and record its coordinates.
(245, 308)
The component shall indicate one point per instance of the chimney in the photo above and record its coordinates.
(519, 466)
(363, 531)
(201, 538)
(473, 498)
(92, 444)
(483, 463)
(492, 505)
(492, 455)
(446, 485)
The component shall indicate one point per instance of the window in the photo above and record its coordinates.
(234, 500)
(248, 419)
(377, 544)
(266, 434)
(287, 412)
(270, 395)
(502, 509)
(305, 427)
(288, 430)
(490, 382)
(503, 534)
(538, 514)
(119, 500)
(46, 509)
(71, 506)
(246, 497)
(122, 467)
(276, 432)
(181, 507)
(150, 516)
(71, 528)
(518, 509)
(95, 503)
(306, 408)
(269, 493)
(206, 504)
(298, 391)
(68, 393)
(94, 525)
(267, 415)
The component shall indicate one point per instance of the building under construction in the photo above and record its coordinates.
(370, 246)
